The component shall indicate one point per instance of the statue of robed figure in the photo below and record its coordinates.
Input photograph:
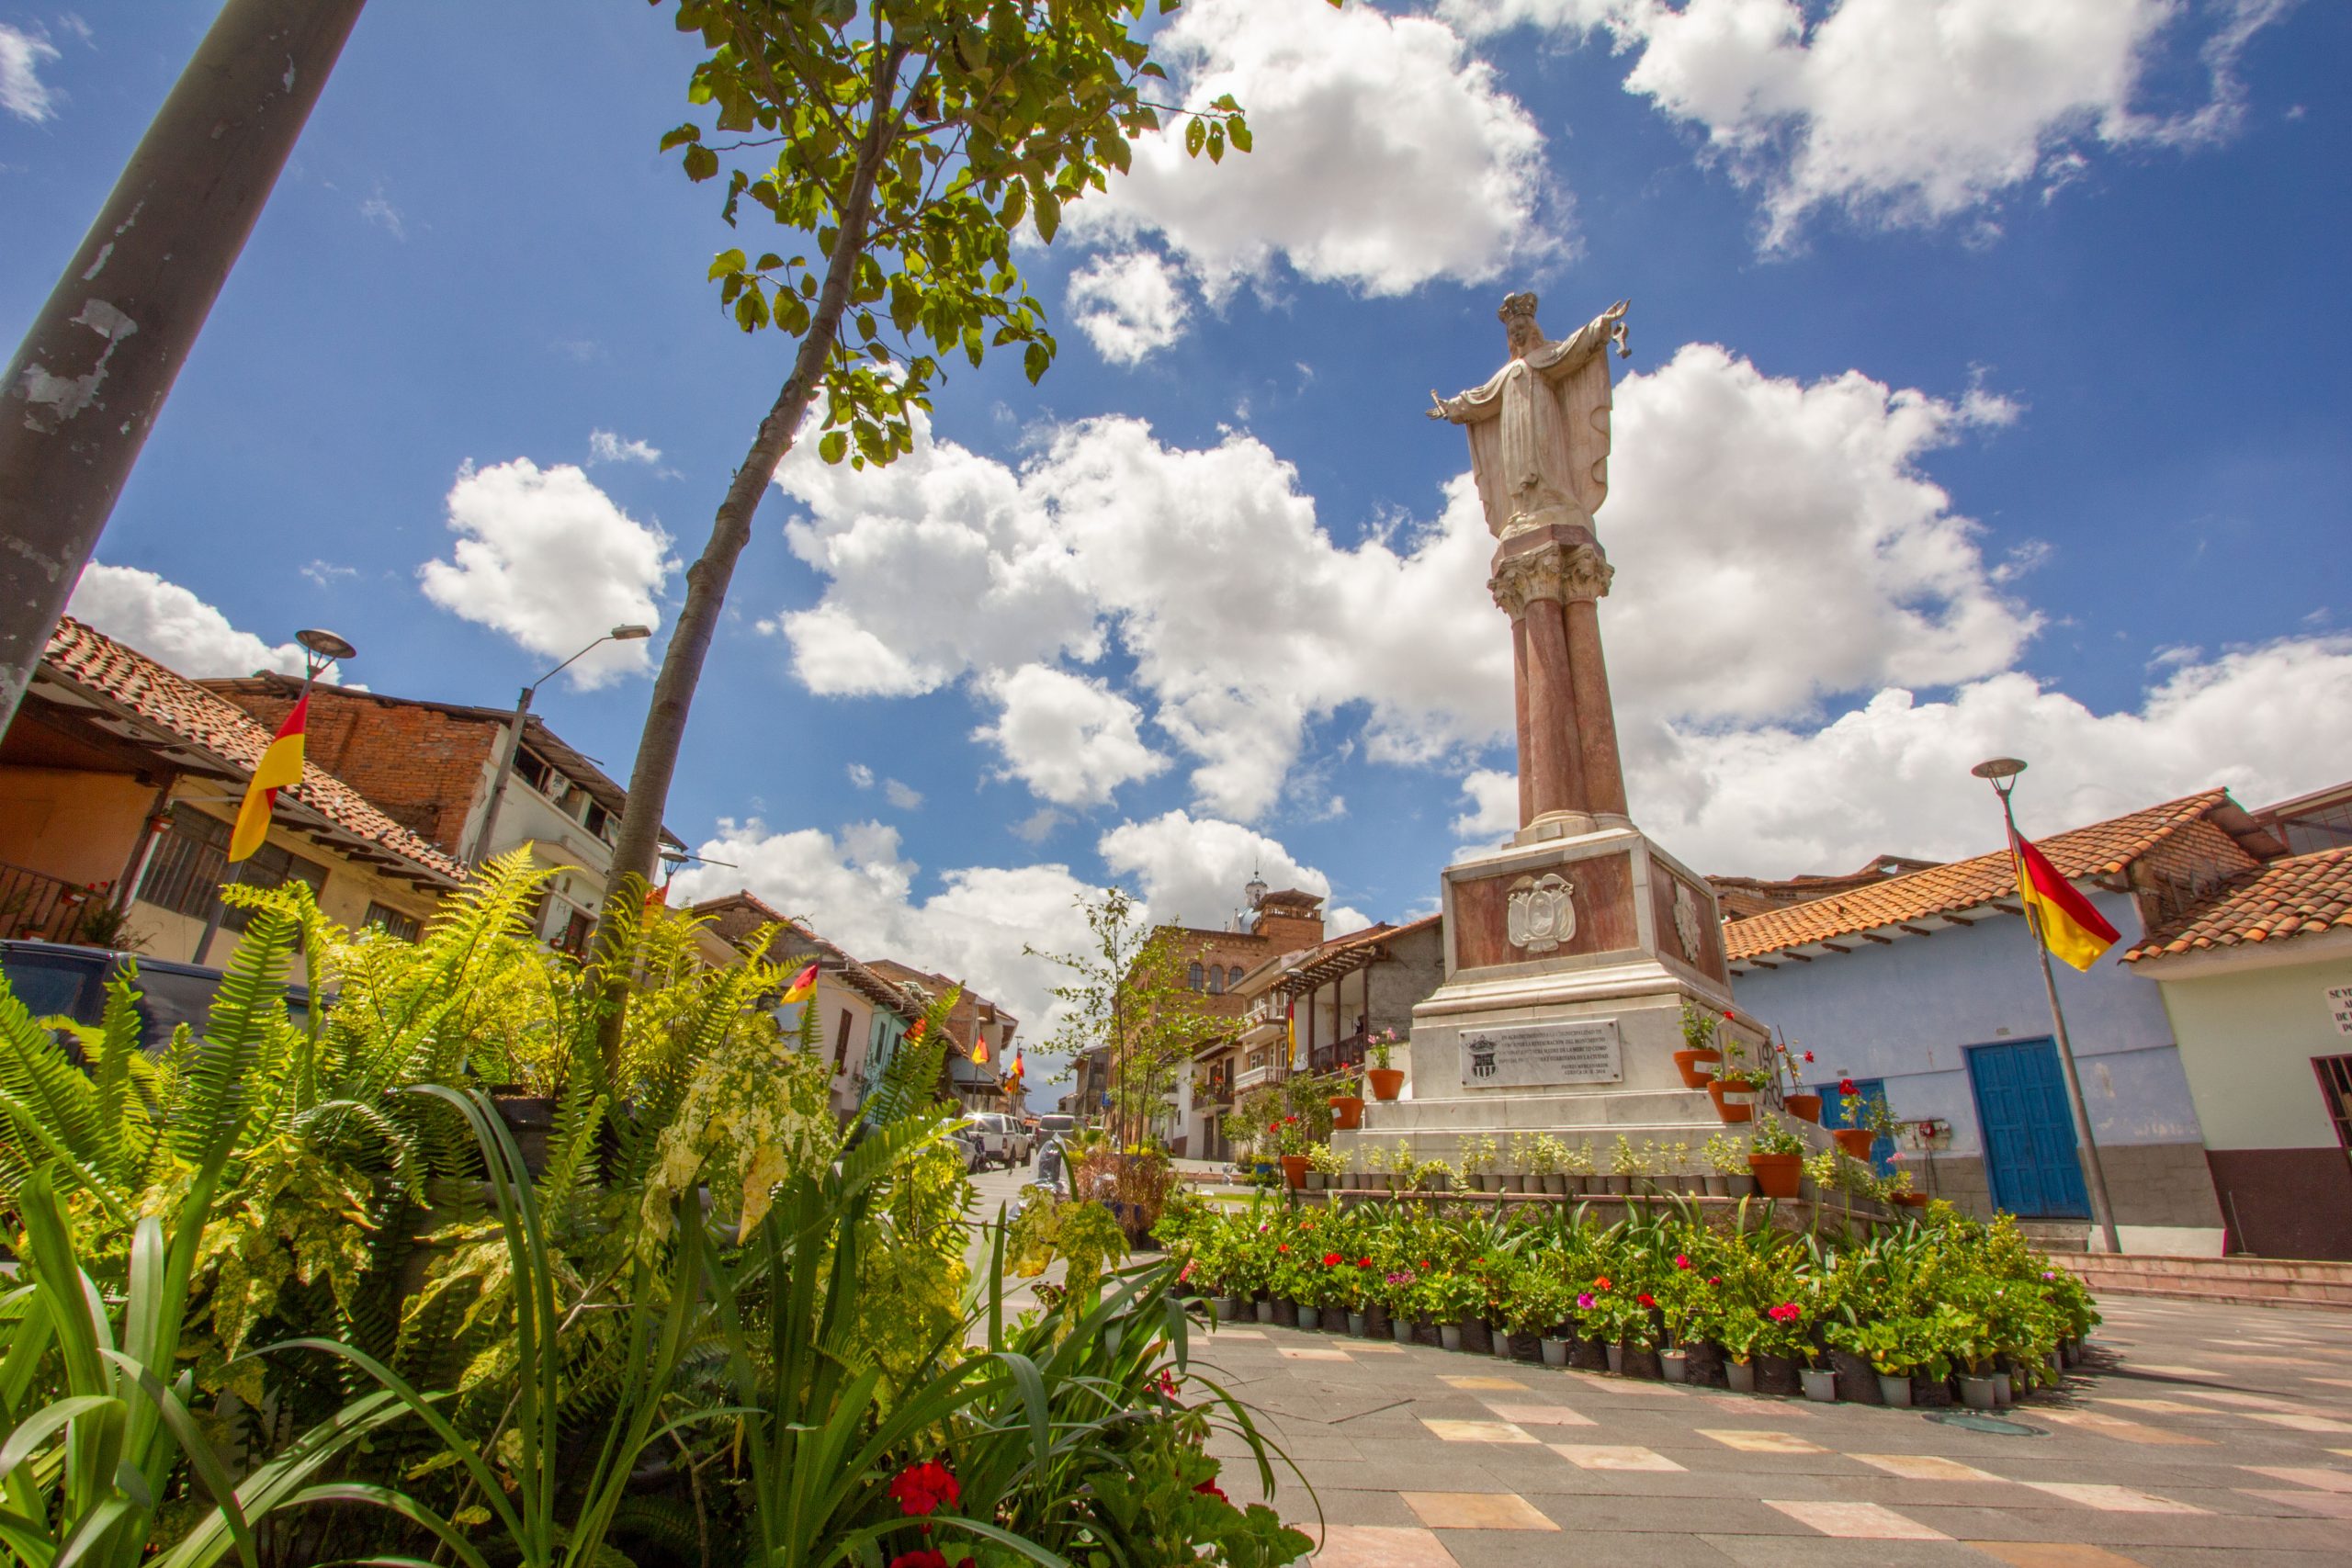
(1539, 427)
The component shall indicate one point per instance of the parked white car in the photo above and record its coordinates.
(1002, 1139)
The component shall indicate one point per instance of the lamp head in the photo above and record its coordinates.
(632, 632)
(325, 645)
(1998, 769)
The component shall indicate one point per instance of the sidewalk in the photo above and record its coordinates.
(2207, 1434)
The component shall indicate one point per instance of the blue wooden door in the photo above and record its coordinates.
(2029, 1156)
(1833, 1115)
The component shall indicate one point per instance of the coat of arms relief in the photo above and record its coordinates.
(1541, 913)
(1686, 921)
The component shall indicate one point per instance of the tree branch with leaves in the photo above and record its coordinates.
(912, 141)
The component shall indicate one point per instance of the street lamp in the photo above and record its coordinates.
(2002, 773)
(515, 734)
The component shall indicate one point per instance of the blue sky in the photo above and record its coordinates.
(1991, 352)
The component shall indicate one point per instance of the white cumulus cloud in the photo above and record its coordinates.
(604, 447)
(1129, 304)
(1909, 111)
(170, 625)
(1385, 153)
(22, 92)
(1071, 740)
(544, 557)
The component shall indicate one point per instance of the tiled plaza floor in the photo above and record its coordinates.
(2197, 1435)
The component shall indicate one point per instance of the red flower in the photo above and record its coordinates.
(1363, 1262)
(1786, 1311)
(1714, 1278)
(1332, 1260)
(1646, 1299)
(1845, 1086)
(1206, 1489)
(1184, 1273)
(1601, 1283)
(1288, 1120)
(922, 1488)
(1284, 1248)
(926, 1557)
(1729, 1019)
(1681, 1260)
(1168, 1382)
(1808, 1055)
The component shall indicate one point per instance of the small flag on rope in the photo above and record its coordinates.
(2069, 925)
(280, 768)
(803, 987)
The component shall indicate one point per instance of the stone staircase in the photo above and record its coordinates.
(2241, 1281)
(1435, 1127)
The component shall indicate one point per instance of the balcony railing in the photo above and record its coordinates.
(1252, 1076)
(45, 909)
(1213, 1093)
(1339, 1055)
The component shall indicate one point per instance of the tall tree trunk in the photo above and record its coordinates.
(637, 843)
(93, 368)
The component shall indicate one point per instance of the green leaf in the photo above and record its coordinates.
(831, 446)
(1216, 144)
(1016, 203)
(684, 134)
(752, 310)
(1239, 132)
(1196, 131)
(1035, 360)
(1049, 216)
(725, 261)
(701, 163)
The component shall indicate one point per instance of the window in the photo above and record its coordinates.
(840, 1043)
(191, 862)
(1217, 981)
(533, 772)
(597, 819)
(405, 927)
(2336, 1083)
(1192, 978)
(577, 926)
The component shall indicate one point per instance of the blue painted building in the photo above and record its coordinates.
(1922, 987)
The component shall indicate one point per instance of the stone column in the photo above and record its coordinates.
(1604, 775)
(1530, 582)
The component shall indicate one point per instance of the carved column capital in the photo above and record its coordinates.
(1558, 569)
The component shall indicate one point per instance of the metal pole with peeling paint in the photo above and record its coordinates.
(86, 384)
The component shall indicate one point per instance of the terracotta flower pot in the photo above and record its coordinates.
(1347, 1113)
(1776, 1175)
(1387, 1083)
(1912, 1200)
(1294, 1171)
(1803, 1107)
(1732, 1103)
(1855, 1141)
(1697, 1068)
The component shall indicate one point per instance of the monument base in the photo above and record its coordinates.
(1569, 962)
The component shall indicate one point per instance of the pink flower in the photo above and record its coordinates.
(1681, 1260)
(1584, 1301)
(1786, 1311)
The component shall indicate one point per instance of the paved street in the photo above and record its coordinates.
(2196, 1434)
(996, 1190)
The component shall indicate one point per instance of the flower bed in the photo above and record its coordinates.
(1902, 1313)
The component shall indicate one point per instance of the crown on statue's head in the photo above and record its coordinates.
(1515, 305)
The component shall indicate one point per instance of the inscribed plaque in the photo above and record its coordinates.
(1583, 1051)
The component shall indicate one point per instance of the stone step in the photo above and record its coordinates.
(2251, 1281)
(1587, 1111)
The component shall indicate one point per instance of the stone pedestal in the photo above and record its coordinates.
(1567, 962)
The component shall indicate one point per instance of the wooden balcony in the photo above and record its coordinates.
(1340, 1056)
(44, 908)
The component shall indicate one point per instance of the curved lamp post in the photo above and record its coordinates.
(515, 734)
(2002, 773)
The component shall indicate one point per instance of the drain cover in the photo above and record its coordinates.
(1976, 1422)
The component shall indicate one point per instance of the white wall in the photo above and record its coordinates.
(2248, 1032)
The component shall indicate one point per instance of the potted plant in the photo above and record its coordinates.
(1575, 1168)
(1291, 1143)
(1625, 1164)
(1726, 1158)
(1521, 1162)
(1396, 1294)
(1387, 1082)
(1699, 1057)
(1346, 1106)
(1776, 1158)
(1324, 1166)
(1544, 1157)
(1733, 1089)
(1797, 1100)
(1673, 1162)
(1856, 1135)
(1479, 1162)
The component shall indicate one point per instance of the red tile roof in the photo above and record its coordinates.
(2101, 849)
(214, 735)
(2302, 896)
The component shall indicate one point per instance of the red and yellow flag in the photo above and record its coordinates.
(280, 768)
(803, 987)
(1017, 1068)
(979, 1050)
(2069, 925)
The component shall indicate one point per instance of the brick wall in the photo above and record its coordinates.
(420, 765)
